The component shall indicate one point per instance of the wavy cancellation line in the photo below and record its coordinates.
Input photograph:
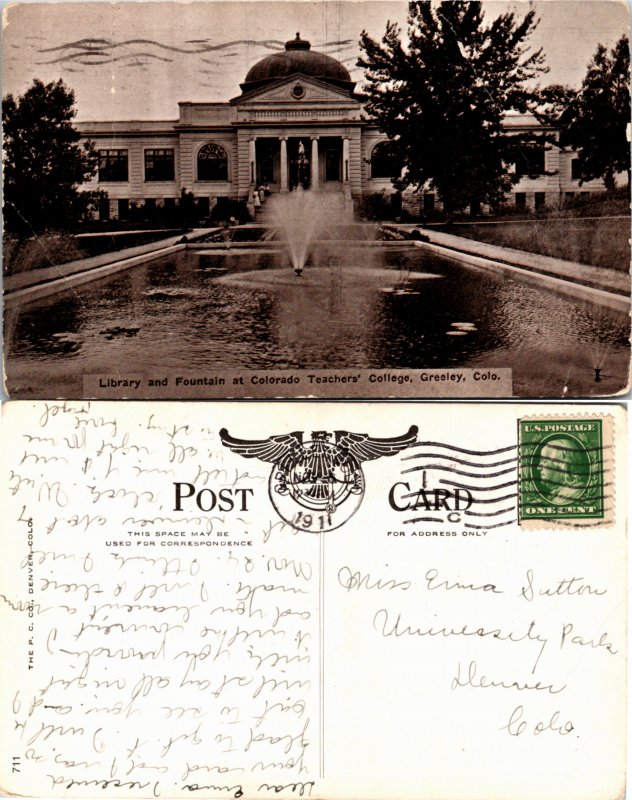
(490, 513)
(271, 44)
(442, 468)
(454, 460)
(104, 47)
(98, 59)
(460, 449)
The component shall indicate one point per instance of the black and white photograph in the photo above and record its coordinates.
(316, 199)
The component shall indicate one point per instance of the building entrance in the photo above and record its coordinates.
(311, 162)
(299, 163)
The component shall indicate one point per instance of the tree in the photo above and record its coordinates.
(43, 160)
(441, 98)
(596, 121)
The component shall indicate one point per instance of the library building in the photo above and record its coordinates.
(297, 122)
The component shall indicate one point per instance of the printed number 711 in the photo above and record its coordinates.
(15, 764)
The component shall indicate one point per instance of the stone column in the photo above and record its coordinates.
(345, 159)
(252, 156)
(314, 181)
(284, 175)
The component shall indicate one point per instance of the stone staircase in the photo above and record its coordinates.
(341, 203)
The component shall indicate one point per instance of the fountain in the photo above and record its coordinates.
(301, 217)
(326, 248)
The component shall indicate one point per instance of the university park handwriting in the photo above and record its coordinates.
(163, 652)
(459, 622)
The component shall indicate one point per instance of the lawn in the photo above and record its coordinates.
(51, 248)
(602, 242)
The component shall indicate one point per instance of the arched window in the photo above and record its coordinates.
(383, 163)
(212, 163)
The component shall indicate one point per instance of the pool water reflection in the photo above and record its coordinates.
(361, 307)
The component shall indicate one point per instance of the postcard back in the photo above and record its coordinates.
(326, 601)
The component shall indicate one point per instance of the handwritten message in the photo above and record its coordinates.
(167, 652)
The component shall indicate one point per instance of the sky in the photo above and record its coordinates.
(136, 60)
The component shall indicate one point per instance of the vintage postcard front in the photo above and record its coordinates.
(313, 600)
(285, 199)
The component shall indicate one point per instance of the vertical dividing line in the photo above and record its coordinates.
(321, 624)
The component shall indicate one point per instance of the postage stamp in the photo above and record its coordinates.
(564, 470)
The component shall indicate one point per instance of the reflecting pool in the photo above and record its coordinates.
(380, 306)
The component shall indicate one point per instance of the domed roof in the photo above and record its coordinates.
(297, 57)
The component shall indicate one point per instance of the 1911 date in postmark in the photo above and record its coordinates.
(563, 469)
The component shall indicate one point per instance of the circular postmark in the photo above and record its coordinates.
(317, 493)
(561, 469)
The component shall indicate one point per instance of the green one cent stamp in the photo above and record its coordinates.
(561, 469)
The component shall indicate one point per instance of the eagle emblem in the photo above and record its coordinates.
(318, 483)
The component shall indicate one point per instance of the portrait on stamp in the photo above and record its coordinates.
(563, 470)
